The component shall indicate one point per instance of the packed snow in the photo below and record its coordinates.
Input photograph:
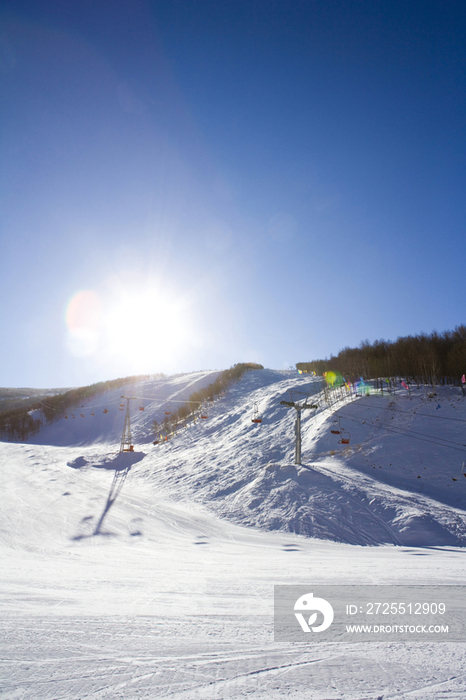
(150, 574)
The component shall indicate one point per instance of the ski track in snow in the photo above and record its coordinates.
(150, 575)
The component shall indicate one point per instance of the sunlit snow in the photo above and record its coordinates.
(150, 574)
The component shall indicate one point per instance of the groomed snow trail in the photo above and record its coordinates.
(150, 575)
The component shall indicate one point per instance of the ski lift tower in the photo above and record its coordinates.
(126, 444)
(299, 405)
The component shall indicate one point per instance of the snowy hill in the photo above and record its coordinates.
(397, 481)
(101, 420)
(367, 492)
(150, 574)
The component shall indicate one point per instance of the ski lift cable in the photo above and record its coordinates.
(165, 399)
(401, 410)
(412, 434)
(46, 405)
(110, 402)
(117, 400)
(414, 437)
(304, 393)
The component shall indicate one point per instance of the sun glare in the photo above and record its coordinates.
(138, 330)
(147, 329)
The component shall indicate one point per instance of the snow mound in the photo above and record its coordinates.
(307, 502)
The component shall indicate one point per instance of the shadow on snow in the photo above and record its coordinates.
(121, 464)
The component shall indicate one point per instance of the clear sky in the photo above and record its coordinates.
(189, 184)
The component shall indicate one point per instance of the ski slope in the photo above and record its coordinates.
(150, 574)
(90, 424)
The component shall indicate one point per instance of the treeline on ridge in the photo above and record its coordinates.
(19, 424)
(429, 359)
(208, 393)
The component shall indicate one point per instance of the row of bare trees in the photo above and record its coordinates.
(429, 359)
(21, 423)
(209, 393)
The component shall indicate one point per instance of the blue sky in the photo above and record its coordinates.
(186, 185)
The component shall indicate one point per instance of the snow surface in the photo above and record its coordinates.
(150, 574)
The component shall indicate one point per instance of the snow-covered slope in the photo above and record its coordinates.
(397, 481)
(101, 419)
(367, 492)
(150, 574)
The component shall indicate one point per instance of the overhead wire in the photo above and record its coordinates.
(441, 442)
(413, 413)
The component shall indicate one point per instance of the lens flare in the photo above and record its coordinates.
(334, 378)
(132, 327)
(83, 319)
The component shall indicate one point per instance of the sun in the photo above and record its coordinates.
(148, 329)
(132, 328)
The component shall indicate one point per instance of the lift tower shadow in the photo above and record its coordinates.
(122, 465)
